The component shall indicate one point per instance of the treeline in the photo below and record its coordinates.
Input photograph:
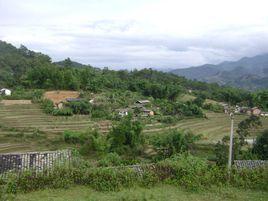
(26, 68)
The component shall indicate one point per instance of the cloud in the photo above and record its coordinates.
(137, 34)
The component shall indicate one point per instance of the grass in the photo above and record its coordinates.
(158, 193)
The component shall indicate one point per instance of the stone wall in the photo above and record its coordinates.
(250, 164)
(36, 161)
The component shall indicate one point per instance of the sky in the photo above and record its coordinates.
(128, 34)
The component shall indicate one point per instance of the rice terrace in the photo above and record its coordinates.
(133, 100)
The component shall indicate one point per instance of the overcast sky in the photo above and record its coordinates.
(138, 33)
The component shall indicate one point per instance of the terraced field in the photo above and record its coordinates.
(212, 128)
(18, 120)
(29, 117)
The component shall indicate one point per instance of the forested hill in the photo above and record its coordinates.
(14, 62)
(248, 73)
(20, 67)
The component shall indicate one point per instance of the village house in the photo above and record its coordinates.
(69, 100)
(123, 112)
(255, 111)
(225, 107)
(240, 110)
(147, 113)
(142, 102)
(264, 114)
(5, 92)
(60, 104)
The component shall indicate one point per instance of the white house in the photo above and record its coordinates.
(264, 114)
(5, 92)
(123, 113)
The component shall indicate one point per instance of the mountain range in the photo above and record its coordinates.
(248, 73)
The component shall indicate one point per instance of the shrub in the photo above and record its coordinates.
(47, 105)
(260, 147)
(111, 159)
(222, 150)
(250, 178)
(184, 170)
(101, 111)
(74, 137)
(20, 93)
(111, 179)
(174, 142)
(94, 142)
(213, 107)
(62, 112)
(187, 171)
(30, 181)
(126, 136)
(80, 107)
(149, 179)
(168, 119)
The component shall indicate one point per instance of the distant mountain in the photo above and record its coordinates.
(249, 72)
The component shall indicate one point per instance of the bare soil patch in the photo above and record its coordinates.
(58, 96)
(16, 102)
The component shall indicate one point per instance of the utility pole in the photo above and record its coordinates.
(231, 142)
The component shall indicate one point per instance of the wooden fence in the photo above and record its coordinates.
(33, 161)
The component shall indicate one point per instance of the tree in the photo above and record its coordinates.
(260, 147)
(246, 125)
(260, 99)
(126, 136)
(199, 101)
(175, 142)
(222, 150)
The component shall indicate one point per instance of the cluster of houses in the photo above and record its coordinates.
(244, 110)
(5, 92)
(140, 105)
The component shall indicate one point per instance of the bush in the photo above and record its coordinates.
(94, 142)
(101, 112)
(62, 112)
(184, 170)
(187, 171)
(174, 142)
(168, 120)
(260, 147)
(250, 179)
(47, 105)
(74, 137)
(213, 107)
(80, 107)
(110, 179)
(126, 136)
(30, 181)
(111, 159)
(20, 93)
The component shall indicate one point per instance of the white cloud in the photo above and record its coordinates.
(142, 33)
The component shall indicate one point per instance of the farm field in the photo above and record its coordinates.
(158, 193)
(26, 119)
(212, 128)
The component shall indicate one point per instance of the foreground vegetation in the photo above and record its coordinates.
(182, 171)
(160, 192)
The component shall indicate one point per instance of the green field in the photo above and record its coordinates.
(18, 120)
(157, 193)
